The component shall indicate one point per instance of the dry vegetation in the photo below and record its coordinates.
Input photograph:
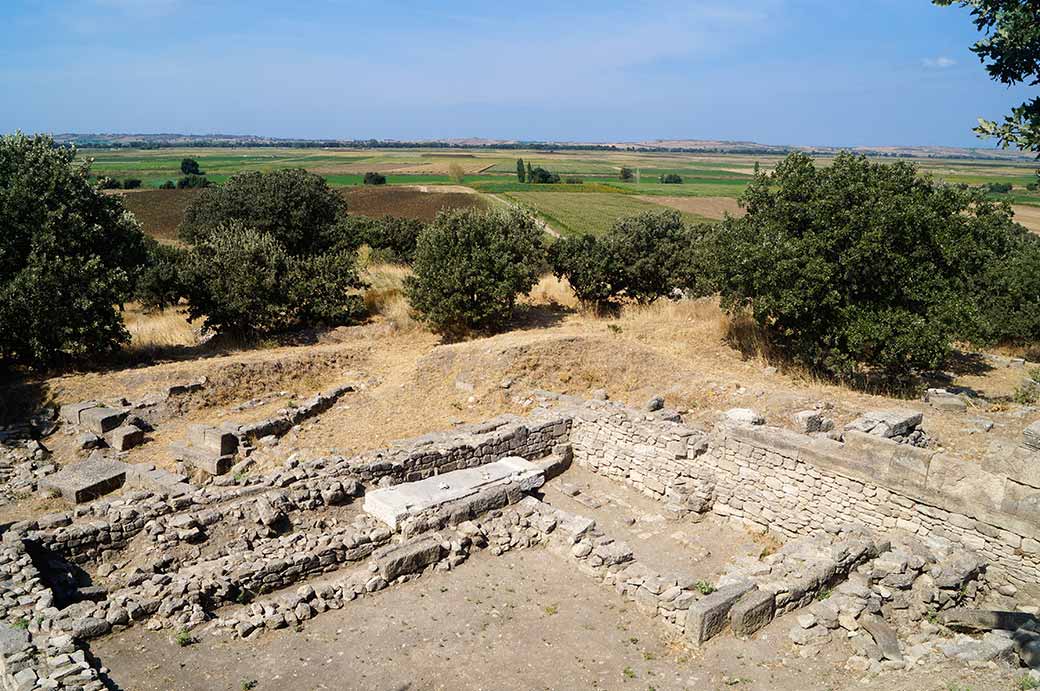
(709, 207)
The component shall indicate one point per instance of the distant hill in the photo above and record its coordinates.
(167, 140)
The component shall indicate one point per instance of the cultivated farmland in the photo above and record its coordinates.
(581, 212)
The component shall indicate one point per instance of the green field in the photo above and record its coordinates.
(585, 212)
(588, 207)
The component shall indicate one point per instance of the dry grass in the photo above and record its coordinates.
(154, 332)
(385, 296)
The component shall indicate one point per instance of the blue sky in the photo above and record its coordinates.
(815, 72)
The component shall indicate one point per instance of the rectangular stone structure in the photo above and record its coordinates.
(87, 480)
(708, 616)
(394, 504)
(101, 420)
(220, 442)
(751, 612)
(409, 557)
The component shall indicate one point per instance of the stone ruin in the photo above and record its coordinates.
(884, 540)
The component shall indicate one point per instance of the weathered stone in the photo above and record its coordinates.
(708, 615)
(86, 480)
(101, 420)
(974, 620)
(409, 557)
(125, 437)
(90, 627)
(743, 416)
(1031, 436)
(992, 647)
(220, 442)
(941, 399)
(12, 640)
(883, 634)
(751, 612)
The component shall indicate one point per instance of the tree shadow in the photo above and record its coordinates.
(22, 395)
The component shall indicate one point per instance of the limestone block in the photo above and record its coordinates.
(101, 420)
(409, 557)
(87, 480)
(221, 442)
(708, 616)
(125, 437)
(1031, 436)
(965, 482)
(751, 612)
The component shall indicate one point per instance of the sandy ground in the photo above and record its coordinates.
(709, 207)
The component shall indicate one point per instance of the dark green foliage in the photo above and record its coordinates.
(131, 184)
(107, 183)
(1011, 293)
(395, 237)
(159, 284)
(573, 180)
(999, 187)
(1033, 186)
(68, 256)
(626, 174)
(542, 176)
(649, 250)
(470, 266)
(192, 181)
(527, 173)
(1011, 53)
(589, 266)
(860, 264)
(168, 185)
(375, 178)
(521, 172)
(640, 258)
(189, 166)
(242, 280)
(671, 179)
(297, 208)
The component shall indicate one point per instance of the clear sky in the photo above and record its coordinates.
(814, 72)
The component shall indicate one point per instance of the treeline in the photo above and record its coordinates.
(854, 267)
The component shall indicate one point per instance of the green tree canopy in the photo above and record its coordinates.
(189, 166)
(1011, 53)
(861, 264)
(297, 208)
(68, 256)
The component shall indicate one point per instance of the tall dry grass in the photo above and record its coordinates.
(385, 296)
(154, 332)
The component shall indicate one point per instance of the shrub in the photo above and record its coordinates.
(107, 183)
(859, 264)
(189, 166)
(131, 184)
(470, 266)
(455, 172)
(242, 280)
(1033, 186)
(999, 187)
(589, 266)
(626, 174)
(159, 284)
(671, 179)
(540, 175)
(395, 237)
(68, 256)
(1010, 293)
(573, 180)
(168, 185)
(649, 251)
(375, 178)
(297, 208)
(640, 258)
(192, 181)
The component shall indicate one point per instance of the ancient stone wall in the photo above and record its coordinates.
(790, 483)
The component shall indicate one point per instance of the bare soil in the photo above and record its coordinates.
(160, 211)
(407, 202)
(1028, 215)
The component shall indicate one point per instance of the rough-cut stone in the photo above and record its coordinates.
(751, 612)
(743, 416)
(883, 635)
(708, 616)
(220, 442)
(974, 620)
(101, 420)
(993, 647)
(1031, 436)
(125, 437)
(942, 399)
(12, 640)
(409, 557)
(87, 480)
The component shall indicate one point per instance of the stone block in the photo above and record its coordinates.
(205, 460)
(743, 416)
(101, 420)
(708, 616)
(751, 612)
(12, 640)
(125, 437)
(941, 399)
(393, 505)
(70, 412)
(410, 557)
(883, 634)
(965, 482)
(87, 480)
(976, 620)
(220, 442)
(1021, 500)
(1031, 436)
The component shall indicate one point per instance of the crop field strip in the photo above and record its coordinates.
(590, 206)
